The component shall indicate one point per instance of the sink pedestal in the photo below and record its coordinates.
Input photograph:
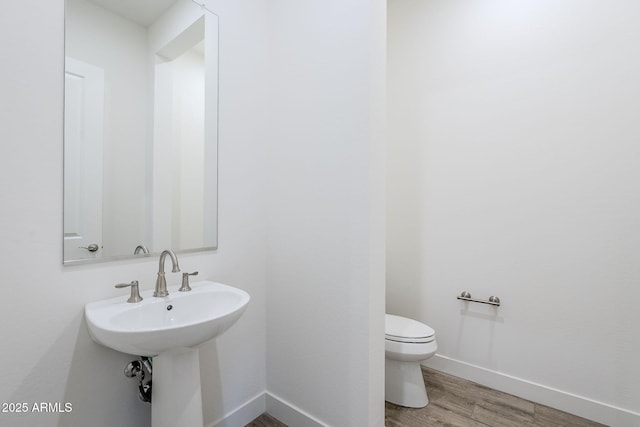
(176, 398)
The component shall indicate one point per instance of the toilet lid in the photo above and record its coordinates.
(402, 329)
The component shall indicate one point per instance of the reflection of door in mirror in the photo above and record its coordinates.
(96, 36)
(84, 100)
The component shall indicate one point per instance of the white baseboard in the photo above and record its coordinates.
(568, 402)
(244, 414)
(587, 408)
(271, 404)
(289, 414)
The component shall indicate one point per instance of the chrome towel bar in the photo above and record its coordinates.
(466, 296)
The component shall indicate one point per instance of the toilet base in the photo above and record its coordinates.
(404, 384)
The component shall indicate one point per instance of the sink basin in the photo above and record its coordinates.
(156, 325)
(169, 328)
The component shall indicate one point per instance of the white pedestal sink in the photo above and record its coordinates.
(170, 329)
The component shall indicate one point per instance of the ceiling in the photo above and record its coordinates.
(144, 12)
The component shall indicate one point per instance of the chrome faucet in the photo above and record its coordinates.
(161, 283)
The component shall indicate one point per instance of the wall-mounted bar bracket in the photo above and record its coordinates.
(466, 296)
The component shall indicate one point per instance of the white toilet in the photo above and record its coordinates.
(407, 342)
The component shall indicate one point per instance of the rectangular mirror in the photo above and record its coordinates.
(140, 128)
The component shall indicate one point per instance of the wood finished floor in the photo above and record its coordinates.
(456, 402)
(265, 420)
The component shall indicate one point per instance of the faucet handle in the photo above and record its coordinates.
(185, 281)
(135, 291)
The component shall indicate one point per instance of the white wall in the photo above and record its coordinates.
(325, 349)
(240, 375)
(47, 355)
(513, 172)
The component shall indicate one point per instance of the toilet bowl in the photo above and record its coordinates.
(407, 343)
